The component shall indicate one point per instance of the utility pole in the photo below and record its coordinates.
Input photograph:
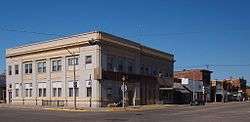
(74, 75)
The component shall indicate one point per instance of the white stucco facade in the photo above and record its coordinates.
(43, 72)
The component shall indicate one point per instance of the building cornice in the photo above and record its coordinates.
(82, 39)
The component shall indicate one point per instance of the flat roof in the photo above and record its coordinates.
(88, 36)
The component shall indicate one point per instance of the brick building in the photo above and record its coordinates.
(228, 90)
(234, 89)
(197, 75)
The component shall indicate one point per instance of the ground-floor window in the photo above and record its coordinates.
(89, 91)
(17, 92)
(57, 89)
(28, 92)
(42, 92)
(54, 92)
(57, 92)
(72, 91)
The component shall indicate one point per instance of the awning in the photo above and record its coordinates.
(166, 82)
(176, 87)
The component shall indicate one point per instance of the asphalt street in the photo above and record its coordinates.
(228, 112)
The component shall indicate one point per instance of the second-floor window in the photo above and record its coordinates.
(41, 67)
(72, 61)
(56, 65)
(16, 69)
(130, 66)
(88, 59)
(110, 63)
(9, 70)
(120, 64)
(28, 68)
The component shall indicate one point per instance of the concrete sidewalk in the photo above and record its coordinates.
(103, 109)
(108, 109)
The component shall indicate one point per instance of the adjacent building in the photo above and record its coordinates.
(196, 88)
(217, 90)
(233, 89)
(43, 73)
(201, 75)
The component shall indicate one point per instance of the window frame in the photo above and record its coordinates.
(110, 63)
(28, 68)
(56, 65)
(89, 91)
(17, 92)
(72, 60)
(16, 69)
(9, 70)
(41, 67)
(71, 92)
(88, 59)
(54, 92)
(59, 92)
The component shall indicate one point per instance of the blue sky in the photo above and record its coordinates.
(197, 32)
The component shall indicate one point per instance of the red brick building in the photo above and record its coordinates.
(198, 75)
(235, 89)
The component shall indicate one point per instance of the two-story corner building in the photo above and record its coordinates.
(42, 73)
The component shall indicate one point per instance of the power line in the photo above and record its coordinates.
(31, 32)
(131, 35)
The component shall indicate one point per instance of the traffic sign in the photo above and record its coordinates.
(124, 88)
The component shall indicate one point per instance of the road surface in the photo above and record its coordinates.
(229, 112)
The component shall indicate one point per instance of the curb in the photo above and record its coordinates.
(112, 109)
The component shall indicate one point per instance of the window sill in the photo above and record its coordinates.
(41, 73)
(56, 71)
(28, 74)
